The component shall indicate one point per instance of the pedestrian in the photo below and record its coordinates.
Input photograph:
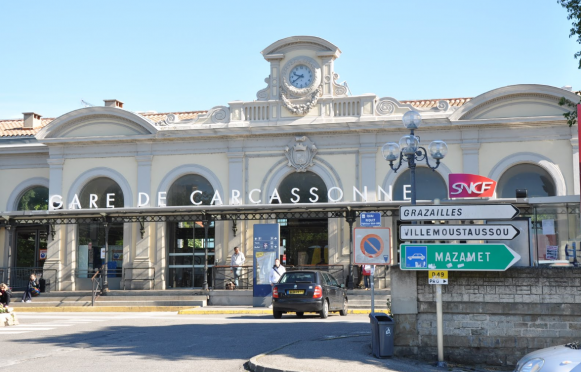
(30, 287)
(276, 272)
(366, 270)
(236, 263)
(4, 295)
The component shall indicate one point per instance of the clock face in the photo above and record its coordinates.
(301, 76)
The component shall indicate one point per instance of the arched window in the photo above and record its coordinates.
(180, 191)
(535, 179)
(34, 199)
(304, 241)
(305, 182)
(187, 239)
(100, 187)
(91, 254)
(429, 185)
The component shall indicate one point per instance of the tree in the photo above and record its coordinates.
(573, 13)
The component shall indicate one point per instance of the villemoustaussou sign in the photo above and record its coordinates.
(458, 232)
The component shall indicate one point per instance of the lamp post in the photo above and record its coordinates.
(410, 151)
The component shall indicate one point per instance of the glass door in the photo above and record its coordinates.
(31, 247)
(186, 254)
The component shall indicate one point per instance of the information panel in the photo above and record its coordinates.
(266, 250)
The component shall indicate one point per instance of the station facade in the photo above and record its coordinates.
(304, 139)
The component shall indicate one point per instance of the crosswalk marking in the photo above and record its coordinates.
(45, 323)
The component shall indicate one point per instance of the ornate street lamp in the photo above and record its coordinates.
(410, 151)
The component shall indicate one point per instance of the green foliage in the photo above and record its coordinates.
(34, 199)
(571, 116)
(574, 13)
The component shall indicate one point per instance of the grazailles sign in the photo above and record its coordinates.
(461, 185)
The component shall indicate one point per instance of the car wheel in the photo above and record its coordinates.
(343, 312)
(300, 314)
(277, 314)
(325, 312)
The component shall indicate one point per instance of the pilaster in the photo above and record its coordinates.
(368, 154)
(576, 165)
(470, 151)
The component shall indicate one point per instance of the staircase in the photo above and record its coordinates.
(169, 299)
(361, 299)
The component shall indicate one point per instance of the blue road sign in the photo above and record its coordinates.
(370, 219)
(416, 256)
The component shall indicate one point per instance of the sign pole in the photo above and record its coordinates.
(440, 327)
(372, 289)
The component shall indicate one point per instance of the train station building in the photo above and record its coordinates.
(302, 149)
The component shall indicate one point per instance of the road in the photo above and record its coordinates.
(156, 341)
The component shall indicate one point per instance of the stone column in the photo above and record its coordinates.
(53, 264)
(470, 149)
(235, 182)
(404, 307)
(138, 266)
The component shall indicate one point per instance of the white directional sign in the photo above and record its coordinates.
(458, 212)
(372, 246)
(457, 232)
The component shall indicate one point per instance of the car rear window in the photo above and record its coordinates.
(298, 277)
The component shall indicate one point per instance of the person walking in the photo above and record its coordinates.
(236, 263)
(31, 286)
(4, 295)
(276, 272)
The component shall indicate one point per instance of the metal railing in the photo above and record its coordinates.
(124, 279)
(17, 278)
(222, 275)
(88, 273)
(96, 285)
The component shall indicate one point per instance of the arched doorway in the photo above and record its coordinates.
(91, 254)
(304, 241)
(187, 243)
(31, 241)
(537, 181)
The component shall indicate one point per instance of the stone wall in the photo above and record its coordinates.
(494, 317)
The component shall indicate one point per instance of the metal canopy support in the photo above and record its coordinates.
(350, 218)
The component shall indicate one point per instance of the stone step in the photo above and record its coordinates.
(108, 303)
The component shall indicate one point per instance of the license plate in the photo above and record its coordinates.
(296, 291)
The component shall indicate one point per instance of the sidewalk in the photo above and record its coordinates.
(349, 353)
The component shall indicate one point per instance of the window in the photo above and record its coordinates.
(181, 190)
(34, 199)
(298, 278)
(535, 179)
(429, 185)
(304, 181)
(91, 254)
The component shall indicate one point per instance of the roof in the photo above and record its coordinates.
(14, 127)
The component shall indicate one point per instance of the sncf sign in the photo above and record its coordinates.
(470, 186)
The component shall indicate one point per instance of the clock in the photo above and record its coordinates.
(301, 76)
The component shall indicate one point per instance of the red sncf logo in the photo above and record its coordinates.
(462, 185)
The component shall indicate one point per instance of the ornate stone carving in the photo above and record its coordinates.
(338, 89)
(218, 114)
(385, 107)
(262, 94)
(300, 153)
(301, 92)
(170, 119)
(301, 108)
(443, 105)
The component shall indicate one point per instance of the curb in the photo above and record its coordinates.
(99, 309)
(255, 367)
(205, 311)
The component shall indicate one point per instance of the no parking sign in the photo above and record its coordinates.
(372, 246)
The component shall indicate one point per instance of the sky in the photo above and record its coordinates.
(170, 55)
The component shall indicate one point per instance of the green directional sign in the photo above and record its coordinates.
(457, 257)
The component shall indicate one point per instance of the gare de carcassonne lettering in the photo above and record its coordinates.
(334, 194)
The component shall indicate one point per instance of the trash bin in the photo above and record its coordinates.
(42, 285)
(382, 332)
